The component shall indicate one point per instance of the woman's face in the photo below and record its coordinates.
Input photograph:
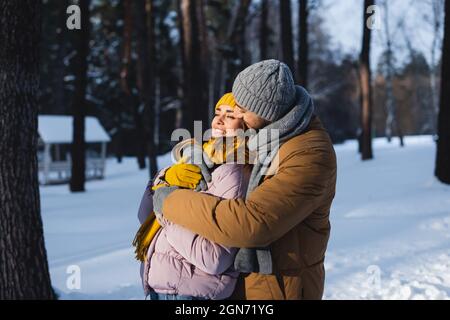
(225, 123)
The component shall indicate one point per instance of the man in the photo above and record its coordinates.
(282, 226)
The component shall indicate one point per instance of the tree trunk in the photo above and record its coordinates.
(443, 143)
(392, 121)
(303, 50)
(78, 147)
(206, 60)
(118, 119)
(238, 39)
(117, 107)
(366, 89)
(189, 44)
(145, 73)
(181, 121)
(437, 8)
(125, 83)
(140, 135)
(23, 259)
(154, 108)
(195, 103)
(263, 31)
(286, 34)
(58, 92)
(233, 53)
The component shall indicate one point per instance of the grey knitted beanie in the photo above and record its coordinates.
(266, 88)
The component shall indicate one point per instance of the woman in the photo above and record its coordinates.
(179, 264)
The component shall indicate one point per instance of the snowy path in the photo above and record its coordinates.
(390, 228)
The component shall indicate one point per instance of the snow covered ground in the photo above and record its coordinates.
(390, 228)
(390, 225)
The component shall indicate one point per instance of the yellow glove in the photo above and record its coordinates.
(183, 175)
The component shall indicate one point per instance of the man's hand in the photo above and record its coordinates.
(158, 201)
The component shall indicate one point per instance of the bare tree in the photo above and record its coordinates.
(23, 260)
(286, 34)
(195, 98)
(303, 50)
(443, 144)
(206, 58)
(126, 84)
(365, 82)
(58, 91)
(419, 83)
(263, 30)
(146, 74)
(392, 121)
(233, 48)
(78, 177)
(435, 20)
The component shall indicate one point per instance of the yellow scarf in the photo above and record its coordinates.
(226, 150)
(145, 235)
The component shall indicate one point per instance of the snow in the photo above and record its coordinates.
(390, 225)
(58, 129)
(94, 230)
(390, 228)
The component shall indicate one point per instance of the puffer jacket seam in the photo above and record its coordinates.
(214, 294)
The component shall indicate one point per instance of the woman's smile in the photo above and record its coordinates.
(217, 133)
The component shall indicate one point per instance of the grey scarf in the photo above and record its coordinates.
(266, 143)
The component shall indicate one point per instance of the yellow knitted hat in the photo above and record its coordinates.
(227, 99)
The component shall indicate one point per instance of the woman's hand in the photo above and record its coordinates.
(194, 154)
(183, 175)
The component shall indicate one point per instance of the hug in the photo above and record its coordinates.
(217, 228)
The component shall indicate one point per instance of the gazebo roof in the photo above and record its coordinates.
(58, 129)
